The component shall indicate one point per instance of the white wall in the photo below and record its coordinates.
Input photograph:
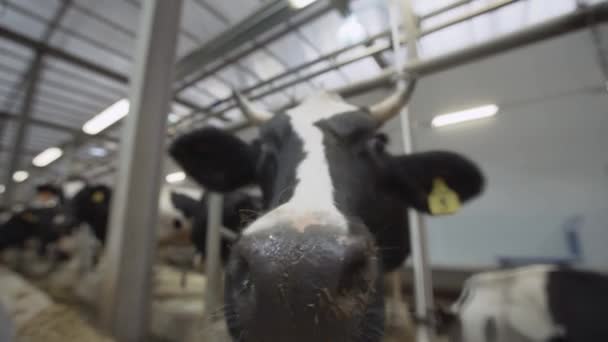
(545, 155)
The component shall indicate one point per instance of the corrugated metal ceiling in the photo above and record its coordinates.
(104, 32)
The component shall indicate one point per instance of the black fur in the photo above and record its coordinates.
(578, 302)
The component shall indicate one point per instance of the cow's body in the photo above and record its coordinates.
(310, 268)
(532, 304)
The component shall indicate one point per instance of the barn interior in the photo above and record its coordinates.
(95, 93)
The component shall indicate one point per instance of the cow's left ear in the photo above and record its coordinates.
(414, 176)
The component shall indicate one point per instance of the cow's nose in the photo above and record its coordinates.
(305, 265)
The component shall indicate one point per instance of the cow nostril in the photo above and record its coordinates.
(177, 224)
(356, 266)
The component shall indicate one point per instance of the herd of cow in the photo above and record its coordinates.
(331, 221)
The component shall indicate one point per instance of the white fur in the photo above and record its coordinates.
(312, 202)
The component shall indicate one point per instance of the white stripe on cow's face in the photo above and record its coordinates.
(312, 202)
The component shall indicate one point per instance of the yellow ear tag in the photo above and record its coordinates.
(98, 197)
(442, 199)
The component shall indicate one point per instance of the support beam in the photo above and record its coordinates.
(126, 286)
(77, 61)
(22, 130)
(213, 271)
(189, 68)
(423, 283)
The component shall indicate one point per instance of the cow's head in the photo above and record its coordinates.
(309, 269)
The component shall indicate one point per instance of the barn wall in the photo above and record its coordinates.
(544, 155)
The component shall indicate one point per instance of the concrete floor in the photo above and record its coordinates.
(177, 310)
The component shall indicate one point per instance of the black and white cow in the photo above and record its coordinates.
(38, 221)
(182, 215)
(540, 303)
(310, 268)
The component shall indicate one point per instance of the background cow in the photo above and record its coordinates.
(310, 269)
(182, 216)
(531, 304)
(41, 221)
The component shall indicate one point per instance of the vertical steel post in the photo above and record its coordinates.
(127, 280)
(213, 290)
(22, 129)
(423, 288)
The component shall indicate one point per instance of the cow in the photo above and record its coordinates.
(539, 303)
(40, 221)
(310, 268)
(182, 216)
(90, 203)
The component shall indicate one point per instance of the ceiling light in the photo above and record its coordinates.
(465, 115)
(20, 176)
(107, 118)
(300, 3)
(47, 156)
(97, 151)
(175, 177)
(351, 31)
(2, 188)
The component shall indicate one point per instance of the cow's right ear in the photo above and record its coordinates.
(217, 160)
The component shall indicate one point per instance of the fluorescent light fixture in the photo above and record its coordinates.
(107, 118)
(351, 31)
(47, 156)
(465, 115)
(2, 188)
(300, 3)
(97, 151)
(175, 177)
(20, 176)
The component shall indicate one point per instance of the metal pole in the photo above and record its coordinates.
(423, 286)
(213, 290)
(22, 129)
(126, 286)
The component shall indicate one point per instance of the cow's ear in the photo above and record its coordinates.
(415, 176)
(217, 160)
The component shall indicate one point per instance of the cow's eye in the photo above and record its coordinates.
(377, 143)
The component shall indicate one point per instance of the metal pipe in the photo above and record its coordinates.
(549, 29)
(444, 9)
(213, 290)
(423, 286)
(371, 52)
(127, 280)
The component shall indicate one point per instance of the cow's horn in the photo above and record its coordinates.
(254, 114)
(390, 106)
